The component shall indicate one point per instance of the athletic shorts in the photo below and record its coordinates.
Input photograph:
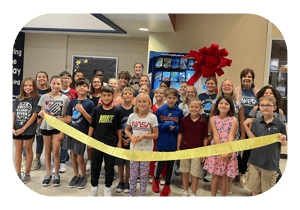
(49, 132)
(23, 137)
(76, 146)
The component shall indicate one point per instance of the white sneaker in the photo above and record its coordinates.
(207, 178)
(185, 194)
(193, 195)
(62, 168)
(94, 191)
(107, 192)
(88, 165)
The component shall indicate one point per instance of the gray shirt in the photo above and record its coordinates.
(267, 157)
(54, 107)
(23, 112)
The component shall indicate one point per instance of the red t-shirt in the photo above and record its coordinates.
(193, 132)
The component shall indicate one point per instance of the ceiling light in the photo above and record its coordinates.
(143, 29)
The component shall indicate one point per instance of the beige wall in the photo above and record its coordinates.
(53, 53)
(244, 36)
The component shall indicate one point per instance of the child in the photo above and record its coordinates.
(117, 99)
(169, 117)
(55, 104)
(144, 127)
(100, 73)
(76, 76)
(193, 133)
(106, 122)
(95, 96)
(223, 125)
(165, 85)
(190, 93)
(41, 80)
(124, 77)
(134, 80)
(182, 89)
(159, 95)
(79, 116)
(126, 109)
(145, 81)
(25, 111)
(263, 164)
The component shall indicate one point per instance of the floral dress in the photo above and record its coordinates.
(213, 164)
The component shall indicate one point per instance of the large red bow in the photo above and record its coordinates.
(209, 62)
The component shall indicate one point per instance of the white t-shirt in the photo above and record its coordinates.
(141, 126)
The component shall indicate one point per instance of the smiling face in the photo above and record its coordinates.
(159, 95)
(28, 88)
(227, 88)
(144, 89)
(267, 107)
(123, 82)
(223, 106)
(56, 85)
(106, 97)
(138, 69)
(96, 83)
(41, 79)
(190, 92)
(143, 80)
(82, 89)
(171, 100)
(211, 86)
(66, 80)
(247, 81)
(142, 103)
(127, 95)
(268, 92)
(114, 83)
(195, 107)
(78, 75)
(183, 87)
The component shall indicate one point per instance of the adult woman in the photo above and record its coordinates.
(247, 94)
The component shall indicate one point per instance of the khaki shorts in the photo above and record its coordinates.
(260, 180)
(190, 166)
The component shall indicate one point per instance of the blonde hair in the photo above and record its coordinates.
(195, 99)
(270, 98)
(135, 108)
(233, 94)
(35, 92)
(186, 98)
(116, 80)
(158, 89)
(130, 89)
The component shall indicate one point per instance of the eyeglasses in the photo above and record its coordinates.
(66, 77)
(96, 82)
(227, 85)
(189, 92)
(266, 106)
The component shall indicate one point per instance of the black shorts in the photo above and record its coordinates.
(23, 137)
(49, 132)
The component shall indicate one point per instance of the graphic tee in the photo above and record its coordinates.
(125, 114)
(142, 126)
(78, 121)
(54, 107)
(23, 111)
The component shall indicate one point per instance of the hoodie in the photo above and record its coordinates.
(166, 117)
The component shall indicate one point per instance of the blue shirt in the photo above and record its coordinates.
(248, 101)
(78, 120)
(207, 101)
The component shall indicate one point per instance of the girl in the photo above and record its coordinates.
(55, 104)
(224, 126)
(159, 95)
(97, 83)
(190, 92)
(76, 76)
(42, 86)
(144, 126)
(182, 89)
(117, 99)
(100, 73)
(269, 91)
(227, 89)
(25, 110)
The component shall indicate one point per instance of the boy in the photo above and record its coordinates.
(193, 133)
(106, 122)
(126, 109)
(79, 115)
(168, 116)
(144, 81)
(263, 162)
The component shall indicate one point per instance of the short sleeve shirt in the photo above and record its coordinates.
(142, 126)
(23, 112)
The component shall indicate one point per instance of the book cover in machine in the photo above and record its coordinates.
(174, 76)
(167, 62)
(181, 76)
(183, 63)
(175, 63)
(158, 76)
(158, 62)
(166, 76)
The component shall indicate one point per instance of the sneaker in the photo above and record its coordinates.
(107, 192)
(166, 191)
(56, 180)
(162, 182)
(155, 186)
(62, 168)
(102, 174)
(126, 187)
(242, 180)
(207, 178)
(36, 164)
(177, 172)
(185, 194)
(74, 181)
(193, 195)
(88, 165)
(46, 181)
(82, 183)
(202, 173)
(25, 178)
(94, 191)
(20, 176)
(23, 166)
(120, 187)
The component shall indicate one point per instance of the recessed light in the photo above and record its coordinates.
(143, 29)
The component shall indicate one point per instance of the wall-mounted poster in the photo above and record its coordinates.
(88, 64)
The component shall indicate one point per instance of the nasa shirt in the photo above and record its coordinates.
(23, 111)
(54, 107)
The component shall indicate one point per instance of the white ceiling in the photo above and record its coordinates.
(124, 25)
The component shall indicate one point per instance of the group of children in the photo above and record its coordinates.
(118, 115)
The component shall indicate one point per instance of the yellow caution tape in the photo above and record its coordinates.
(207, 151)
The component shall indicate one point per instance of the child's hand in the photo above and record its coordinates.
(282, 138)
(19, 131)
(42, 114)
(139, 138)
(172, 128)
(127, 142)
(119, 145)
(79, 107)
(225, 157)
(203, 159)
(249, 121)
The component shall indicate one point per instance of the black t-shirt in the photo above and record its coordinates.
(125, 114)
(106, 124)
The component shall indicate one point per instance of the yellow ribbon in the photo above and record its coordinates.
(212, 150)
